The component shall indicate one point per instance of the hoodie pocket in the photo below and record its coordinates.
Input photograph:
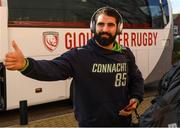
(107, 115)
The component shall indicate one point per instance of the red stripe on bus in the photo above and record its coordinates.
(82, 24)
(47, 24)
(144, 25)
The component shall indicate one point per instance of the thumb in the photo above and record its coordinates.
(15, 46)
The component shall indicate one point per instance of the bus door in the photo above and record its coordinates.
(3, 49)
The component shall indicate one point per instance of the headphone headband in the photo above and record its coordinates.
(93, 22)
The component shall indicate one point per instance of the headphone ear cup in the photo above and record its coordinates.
(120, 27)
(93, 26)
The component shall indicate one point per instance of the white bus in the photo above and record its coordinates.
(44, 29)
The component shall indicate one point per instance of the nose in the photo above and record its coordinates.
(105, 28)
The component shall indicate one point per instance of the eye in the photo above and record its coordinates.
(100, 24)
(111, 24)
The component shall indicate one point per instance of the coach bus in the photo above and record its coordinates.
(44, 29)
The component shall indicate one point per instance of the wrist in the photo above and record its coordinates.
(137, 101)
(25, 65)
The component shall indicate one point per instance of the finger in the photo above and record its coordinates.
(10, 55)
(15, 46)
(10, 67)
(125, 113)
(6, 63)
(9, 59)
(134, 105)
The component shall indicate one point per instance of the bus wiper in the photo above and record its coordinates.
(163, 12)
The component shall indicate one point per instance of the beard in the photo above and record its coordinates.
(104, 41)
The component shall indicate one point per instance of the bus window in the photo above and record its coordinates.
(166, 9)
(158, 13)
(143, 13)
(77, 13)
(50, 11)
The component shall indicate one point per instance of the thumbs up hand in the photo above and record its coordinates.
(14, 60)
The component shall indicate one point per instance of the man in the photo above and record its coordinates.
(105, 76)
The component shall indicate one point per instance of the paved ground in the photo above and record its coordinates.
(68, 120)
(37, 112)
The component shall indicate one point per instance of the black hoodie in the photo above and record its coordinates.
(105, 81)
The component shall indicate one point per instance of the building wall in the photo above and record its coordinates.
(177, 24)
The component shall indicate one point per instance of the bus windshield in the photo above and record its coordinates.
(77, 13)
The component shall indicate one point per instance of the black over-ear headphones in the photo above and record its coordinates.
(93, 22)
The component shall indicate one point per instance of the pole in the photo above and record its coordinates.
(23, 112)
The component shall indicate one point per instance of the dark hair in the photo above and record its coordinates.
(109, 12)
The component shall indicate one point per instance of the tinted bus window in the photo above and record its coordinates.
(158, 12)
(136, 13)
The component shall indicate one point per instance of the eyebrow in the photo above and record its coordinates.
(102, 23)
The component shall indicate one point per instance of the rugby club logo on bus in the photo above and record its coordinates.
(51, 40)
